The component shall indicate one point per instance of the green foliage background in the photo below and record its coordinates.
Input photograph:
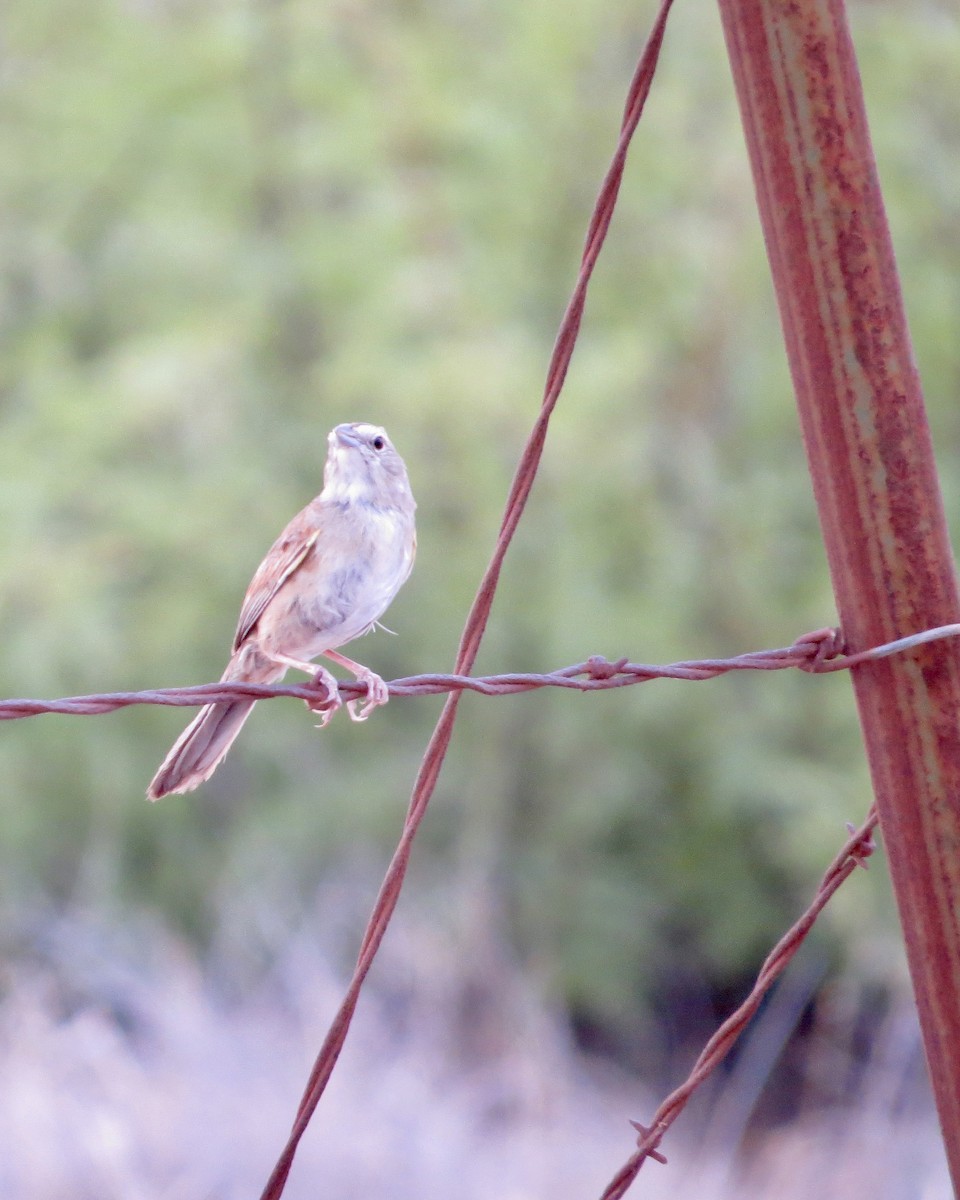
(226, 226)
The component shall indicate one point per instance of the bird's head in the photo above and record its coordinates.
(362, 465)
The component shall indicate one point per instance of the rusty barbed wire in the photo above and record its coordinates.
(854, 853)
(818, 652)
(479, 614)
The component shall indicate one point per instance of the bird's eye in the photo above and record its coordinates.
(378, 442)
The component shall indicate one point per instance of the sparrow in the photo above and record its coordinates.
(325, 581)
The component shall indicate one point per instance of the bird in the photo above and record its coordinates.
(326, 580)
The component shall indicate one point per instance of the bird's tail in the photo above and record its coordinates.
(199, 750)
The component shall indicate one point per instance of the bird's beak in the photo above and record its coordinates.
(346, 436)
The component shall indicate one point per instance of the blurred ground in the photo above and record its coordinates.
(128, 1070)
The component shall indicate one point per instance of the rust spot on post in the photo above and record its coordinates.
(871, 461)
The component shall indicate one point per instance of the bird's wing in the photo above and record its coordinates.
(283, 558)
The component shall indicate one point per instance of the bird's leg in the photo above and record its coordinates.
(325, 708)
(377, 693)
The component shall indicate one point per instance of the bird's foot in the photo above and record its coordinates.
(326, 707)
(377, 694)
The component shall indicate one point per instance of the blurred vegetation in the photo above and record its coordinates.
(228, 225)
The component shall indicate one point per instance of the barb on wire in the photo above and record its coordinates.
(857, 849)
(818, 652)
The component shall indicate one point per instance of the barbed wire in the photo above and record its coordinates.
(854, 853)
(818, 652)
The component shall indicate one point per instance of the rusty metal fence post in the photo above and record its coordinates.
(872, 465)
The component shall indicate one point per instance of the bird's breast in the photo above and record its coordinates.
(353, 571)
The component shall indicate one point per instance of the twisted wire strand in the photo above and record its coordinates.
(854, 853)
(819, 652)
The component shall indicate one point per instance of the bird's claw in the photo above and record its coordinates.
(377, 694)
(326, 707)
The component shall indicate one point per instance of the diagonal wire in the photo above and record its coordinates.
(857, 849)
(480, 610)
